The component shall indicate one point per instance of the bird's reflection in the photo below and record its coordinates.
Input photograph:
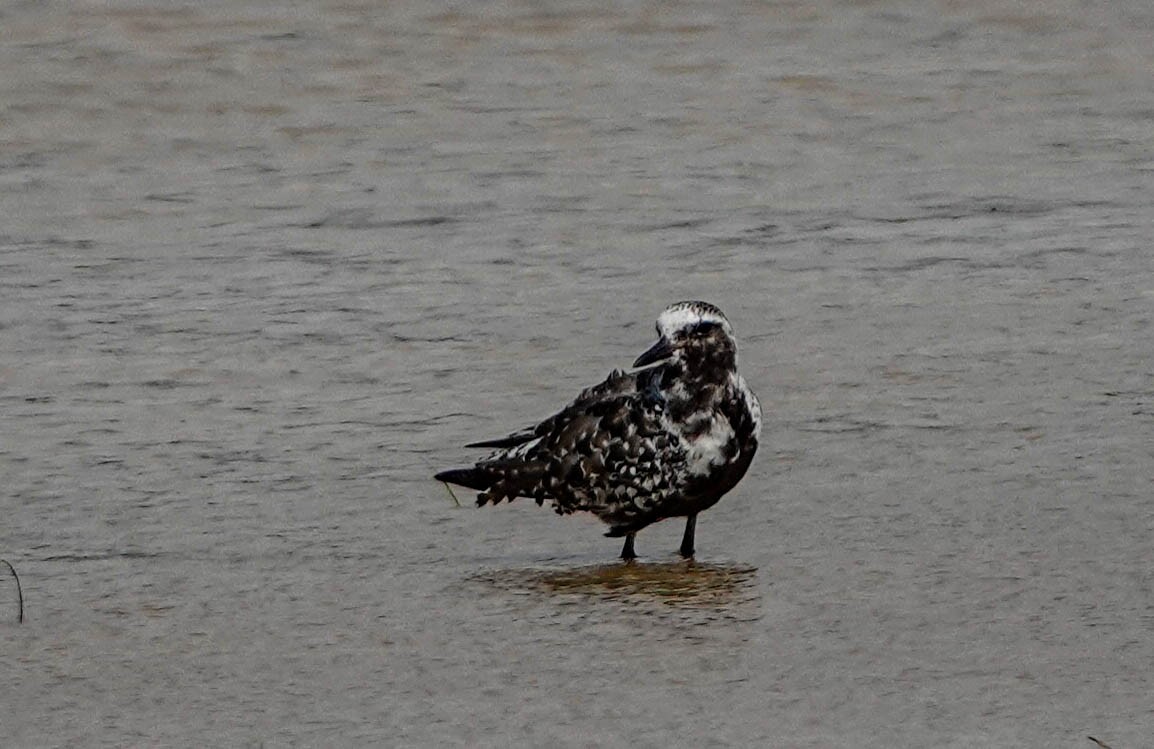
(676, 583)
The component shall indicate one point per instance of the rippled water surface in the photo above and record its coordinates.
(265, 267)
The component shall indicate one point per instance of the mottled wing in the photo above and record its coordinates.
(609, 452)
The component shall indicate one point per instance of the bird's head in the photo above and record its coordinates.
(695, 334)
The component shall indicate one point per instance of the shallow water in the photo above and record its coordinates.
(265, 268)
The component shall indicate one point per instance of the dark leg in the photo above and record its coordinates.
(627, 553)
(686, 549)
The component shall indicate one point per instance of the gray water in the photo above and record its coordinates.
(265, 267)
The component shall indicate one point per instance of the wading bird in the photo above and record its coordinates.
(667, 440)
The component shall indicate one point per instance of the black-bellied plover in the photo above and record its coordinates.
(668, 440)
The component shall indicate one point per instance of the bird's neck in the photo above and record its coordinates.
(694, 392)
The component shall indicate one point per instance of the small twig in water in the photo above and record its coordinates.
(1099, 743)
(452, 494)
(19, 591)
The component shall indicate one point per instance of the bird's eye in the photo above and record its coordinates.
(702, 329)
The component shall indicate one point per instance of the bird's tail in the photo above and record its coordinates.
(496, 485)
(468, 477)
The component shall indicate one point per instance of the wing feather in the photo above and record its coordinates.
(608, 452)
